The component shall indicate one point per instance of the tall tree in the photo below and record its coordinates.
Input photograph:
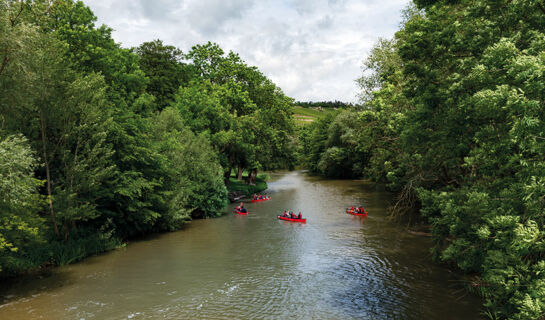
(163, 65)
(259, 110)
(193, 183)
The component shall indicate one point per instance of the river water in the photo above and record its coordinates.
(336, 266)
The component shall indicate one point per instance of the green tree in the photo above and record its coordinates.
(21, 228)
(132, 198)
(470, 140)
(163, 66)
(259, 134)
(193, 184)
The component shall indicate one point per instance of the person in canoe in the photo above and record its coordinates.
(300, 216)
(361, 210)
(255, 196)
(241, 208)
(292, 215)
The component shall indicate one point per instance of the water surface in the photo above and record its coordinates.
(336, 266)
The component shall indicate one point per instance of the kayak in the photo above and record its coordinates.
(364, 214)
(259, 200)
(240, 212)
(291, 219)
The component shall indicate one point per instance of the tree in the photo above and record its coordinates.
(471, 140)
(163, 65)
(261, 126)
(20, 225)
(193, 184)
(212, 110)
(381, 63)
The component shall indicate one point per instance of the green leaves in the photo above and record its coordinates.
(162, 65)
(193, 179)
(245, 116)
(117, 161)
(20, 225)
(454, 120)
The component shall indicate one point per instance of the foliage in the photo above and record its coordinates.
(241, 186)
(453, 121)
(246, 117)
(381, 64)
(324, 104)
(20, 226)
(163, 66)
(91, 143)
(193, 171)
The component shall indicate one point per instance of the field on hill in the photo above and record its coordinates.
(307, 115)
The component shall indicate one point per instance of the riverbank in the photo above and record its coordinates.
(247, 189)
(239, 189)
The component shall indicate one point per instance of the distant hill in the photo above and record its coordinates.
(306, 112)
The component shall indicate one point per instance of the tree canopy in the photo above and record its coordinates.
(453, 121)
(104, 143)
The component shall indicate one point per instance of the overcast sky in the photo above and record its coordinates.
(312, 49)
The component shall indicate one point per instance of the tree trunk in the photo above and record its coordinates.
(226, 176)
(253, 176)
(239, 174)
(228, 173)
(66, 231)
(48, 177)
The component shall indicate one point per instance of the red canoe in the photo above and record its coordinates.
(259, 200)
(243, 213)
(291, 219)
(356, 214)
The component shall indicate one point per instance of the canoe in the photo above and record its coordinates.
(242, 213)
(259, 200)
(364, 214)
(291, 219)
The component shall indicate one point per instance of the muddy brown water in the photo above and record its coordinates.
(336, 266)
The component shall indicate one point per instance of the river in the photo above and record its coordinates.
(336, 266)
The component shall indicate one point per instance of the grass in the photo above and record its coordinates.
(307, 115)
(237, 185)
(241, 186)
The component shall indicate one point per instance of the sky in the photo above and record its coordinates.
(312, 49)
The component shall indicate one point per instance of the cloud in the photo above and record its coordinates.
(208, 17)
(312, 49)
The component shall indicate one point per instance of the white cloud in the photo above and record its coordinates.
(312, 49)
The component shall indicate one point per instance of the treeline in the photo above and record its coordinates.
(99, 143)
(454, 122)
(325, 104)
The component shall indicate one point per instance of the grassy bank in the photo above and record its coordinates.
(242, 186)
